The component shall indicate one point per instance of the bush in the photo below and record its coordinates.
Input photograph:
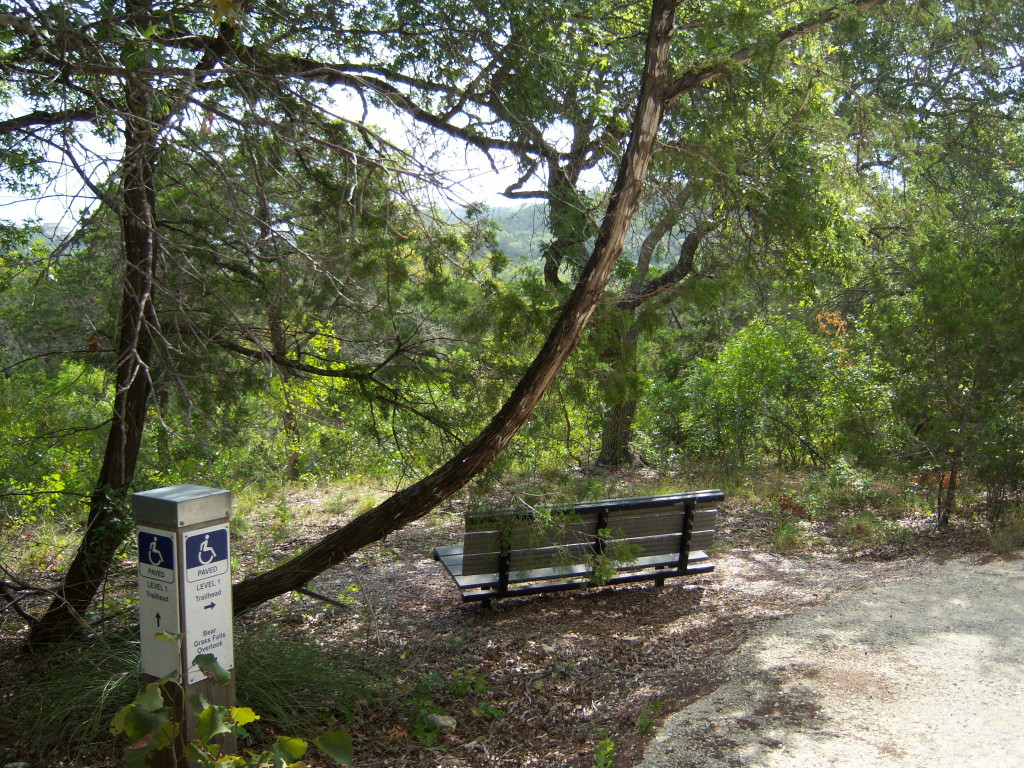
(779, 390)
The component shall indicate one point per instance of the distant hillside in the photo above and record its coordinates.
(53, 233)
(523, 231)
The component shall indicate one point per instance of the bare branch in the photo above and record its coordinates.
(330, 74)
(14, 602)
(682, 268)
(41, 118)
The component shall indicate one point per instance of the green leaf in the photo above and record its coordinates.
(212, 721)
(243, 715)
(207, 663)
(151, 699)
(290, 749)
(117, 722)
(338, 745)
(195, 755)
(198, 702)
(134, 758)
(140, 723)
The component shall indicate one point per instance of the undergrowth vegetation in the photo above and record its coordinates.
(65, 710)
(805, 294)
(298, 685)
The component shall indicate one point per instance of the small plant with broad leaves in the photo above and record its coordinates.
(149, 724)
(647, 720)
(604, 752)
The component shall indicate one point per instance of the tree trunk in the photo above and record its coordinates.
(946, 503)
(289, 421)
(617, 428)
(620, 412)
(418, 499)
(109, 520)
(617, 434)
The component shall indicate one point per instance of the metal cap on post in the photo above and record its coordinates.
(185, 598)
(180, 506)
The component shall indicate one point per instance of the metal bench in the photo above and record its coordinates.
(527, 551)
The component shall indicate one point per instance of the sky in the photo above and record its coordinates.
(472, 179)
(65, 200)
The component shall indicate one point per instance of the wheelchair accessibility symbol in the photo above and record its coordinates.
(206, 553)
(156, 556)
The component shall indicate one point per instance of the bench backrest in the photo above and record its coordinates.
(571, 535)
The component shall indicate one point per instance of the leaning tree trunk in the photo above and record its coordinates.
(109, 519)
(418, 499)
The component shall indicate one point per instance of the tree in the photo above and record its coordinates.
(946, 341)
(658, 91)
(172, 68)
(880, 108)
(945, 185)
(776, 211)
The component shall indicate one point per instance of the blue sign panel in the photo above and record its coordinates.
(206, 548)
(155, 549)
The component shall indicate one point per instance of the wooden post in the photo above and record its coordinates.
(185, 601)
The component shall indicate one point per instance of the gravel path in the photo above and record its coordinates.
(922, 670)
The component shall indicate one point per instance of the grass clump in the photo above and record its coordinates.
(788, 533)
(1006, 532)
(65, 710)
(292, 684)
(866, 528)
(296, 687)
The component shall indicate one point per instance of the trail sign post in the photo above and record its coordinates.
(185, 599)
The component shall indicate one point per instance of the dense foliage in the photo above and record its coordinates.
(823, 271)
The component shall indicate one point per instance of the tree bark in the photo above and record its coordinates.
(418, 499)
(109, 520)
(946, 502)
(617, 427)
(620, 411)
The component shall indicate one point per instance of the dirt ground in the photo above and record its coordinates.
(571, 669)
(547, 680)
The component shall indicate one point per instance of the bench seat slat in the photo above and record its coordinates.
(536, 588)
(451, 559)
(543, 557)
(523, 536)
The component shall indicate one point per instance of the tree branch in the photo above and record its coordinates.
(331, 74)
(696, 78)
(682, 268)
(363, 377)
(41, 118)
